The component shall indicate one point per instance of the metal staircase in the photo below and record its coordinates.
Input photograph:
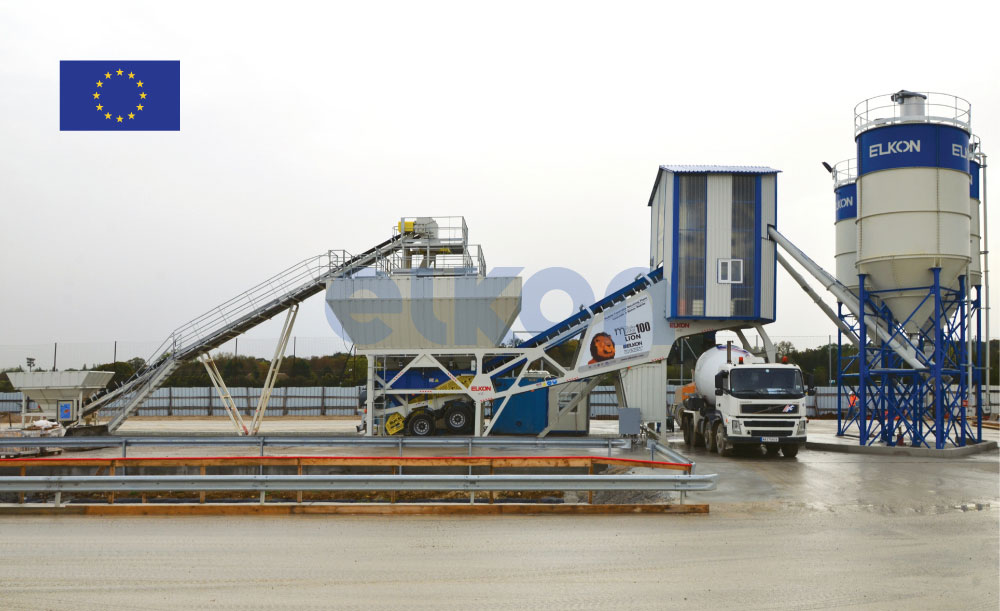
(230, 319)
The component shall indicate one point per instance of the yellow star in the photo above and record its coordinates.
(97, 95)
(99, 107)
(119, 73)
(139, 83)
(139, 106)
(100, 84)
(118, 118)
(131, 115)
(142, 95)
(107, 75)
(107, 115)
(131, 75)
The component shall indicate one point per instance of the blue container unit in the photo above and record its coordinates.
(525, 414)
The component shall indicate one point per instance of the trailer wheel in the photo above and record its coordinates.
(722, 440)
(710, 440)
(458, 419)
(420, 424)
(789, 449)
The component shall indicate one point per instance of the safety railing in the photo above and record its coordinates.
(844, 172)
(400, 442)
(112, 476)
(941, 108)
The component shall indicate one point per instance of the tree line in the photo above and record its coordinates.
(343, 369)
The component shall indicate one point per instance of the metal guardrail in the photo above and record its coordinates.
(287, 483)
(280, 441)
(656, 447)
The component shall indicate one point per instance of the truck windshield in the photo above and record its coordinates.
(753, 382)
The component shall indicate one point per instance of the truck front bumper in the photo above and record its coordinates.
(736, 439)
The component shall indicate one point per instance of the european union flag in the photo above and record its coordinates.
(119, 95)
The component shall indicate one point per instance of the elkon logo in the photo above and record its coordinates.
(960, 151)
(891, 148)
(845, 202)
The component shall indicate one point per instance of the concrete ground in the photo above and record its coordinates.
(825, 530)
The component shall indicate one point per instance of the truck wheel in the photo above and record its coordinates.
(772, 449)
(710, 432)
(458, 419)
(686, 430)
(789, 449)
(699, 438)
(722, 441)
(420, 425)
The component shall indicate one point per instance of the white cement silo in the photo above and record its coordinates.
(913, 197)
(845, 224)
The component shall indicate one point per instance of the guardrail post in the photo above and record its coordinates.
(472, 495)
(491, 473)
(201, 495)
(298, 471)
(20, 496)
(590, 493)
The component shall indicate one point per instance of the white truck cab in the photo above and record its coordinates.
(739, 399)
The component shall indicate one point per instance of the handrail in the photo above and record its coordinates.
(234, 316)
(386, 483)
(283, 441)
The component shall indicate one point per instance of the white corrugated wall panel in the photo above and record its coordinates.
(646, 388)
(769, 214)
(719, 243)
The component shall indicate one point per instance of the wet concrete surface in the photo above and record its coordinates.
(824, 530)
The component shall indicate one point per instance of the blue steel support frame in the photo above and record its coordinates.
(847, 380)
(893, 399)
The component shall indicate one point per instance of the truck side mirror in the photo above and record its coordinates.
(720, 383)
(811, 385)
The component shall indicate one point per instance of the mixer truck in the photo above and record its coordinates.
(739, 399)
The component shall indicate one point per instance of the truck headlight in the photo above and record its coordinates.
(736, 427)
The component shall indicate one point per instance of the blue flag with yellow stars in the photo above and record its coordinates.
(119, 95)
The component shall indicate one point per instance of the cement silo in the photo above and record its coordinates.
(916, 380)
(845, 190)
(913, 198)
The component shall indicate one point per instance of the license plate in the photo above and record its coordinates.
(769, 440)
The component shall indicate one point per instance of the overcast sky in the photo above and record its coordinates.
(306, 127)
